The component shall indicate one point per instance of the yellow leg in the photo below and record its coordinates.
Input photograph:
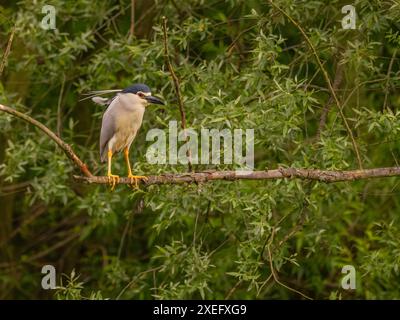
(112, 178)
(134, 179)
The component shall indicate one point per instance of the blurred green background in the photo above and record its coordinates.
(241, 64)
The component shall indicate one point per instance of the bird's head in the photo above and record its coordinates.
(143, 93)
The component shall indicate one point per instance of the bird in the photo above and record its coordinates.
(120, 124)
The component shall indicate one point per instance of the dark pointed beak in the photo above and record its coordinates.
(154, 100)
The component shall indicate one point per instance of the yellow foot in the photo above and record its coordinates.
(134, 180)
(112, 180)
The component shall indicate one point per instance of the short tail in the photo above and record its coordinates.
(103, 155)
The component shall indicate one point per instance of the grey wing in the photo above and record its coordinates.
(106, 133)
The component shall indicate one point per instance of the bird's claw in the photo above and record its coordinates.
(113, 180)
(134, 180)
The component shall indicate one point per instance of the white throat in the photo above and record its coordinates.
(132, 102)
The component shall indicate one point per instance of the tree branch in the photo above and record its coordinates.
(64, 146)
(208, 176)
(326, 176)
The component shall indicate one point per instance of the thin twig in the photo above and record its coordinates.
(327, 79)
(55, 246)
(64, 146)
(34, 214)
(124, 233)
(388, 78)
(233, 289)
(302, 216)
(14, 188)
(7, 52)
(358, 85)
(263, 284)
(177, 87)
(137, 277)
(59, 108)
(275, 275)
(336, 83)
(132, 28)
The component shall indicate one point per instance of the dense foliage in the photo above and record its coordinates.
(241, 64)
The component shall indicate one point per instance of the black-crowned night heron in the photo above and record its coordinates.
(121, 122)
